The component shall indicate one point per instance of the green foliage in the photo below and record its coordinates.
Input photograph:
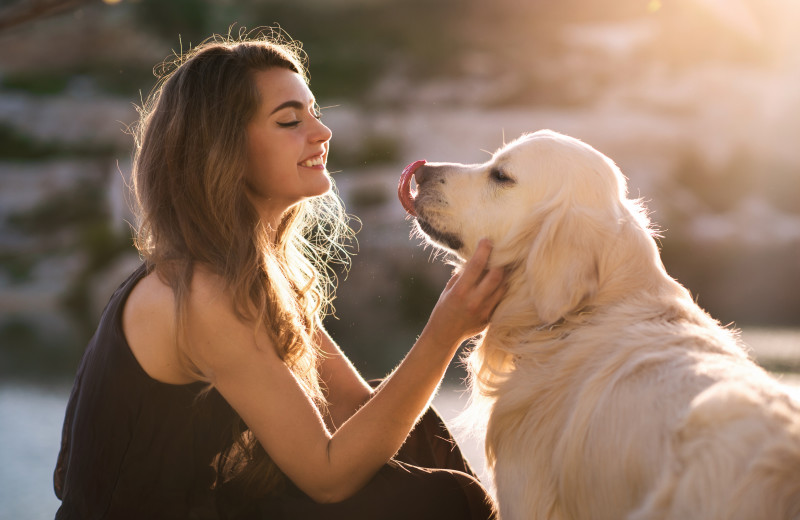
(78, 213)
(82, 204)
(17, 146)
(368, 197)
(418, 295)
(24, 349)
(37, 82)
(17, 267)
(111, 78)
(101, 245)
(350, 46)
(375, 149)
(379, 149)
(120, 79)
(191, 19)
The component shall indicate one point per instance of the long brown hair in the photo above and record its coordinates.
(189, 186)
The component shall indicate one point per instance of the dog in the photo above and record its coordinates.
(607, 392)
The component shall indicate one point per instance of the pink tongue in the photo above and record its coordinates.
(404, 188)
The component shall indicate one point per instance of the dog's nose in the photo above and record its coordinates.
(421, 174)
(432, 173)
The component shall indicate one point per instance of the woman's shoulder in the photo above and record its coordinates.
(151, 301)
(209, 299)
(216, 334)
(208, 286)
(149, 324)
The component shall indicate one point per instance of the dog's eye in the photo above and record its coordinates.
(498, 175)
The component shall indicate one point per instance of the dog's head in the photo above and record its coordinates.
(551, 205)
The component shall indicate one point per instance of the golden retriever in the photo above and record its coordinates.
(607, 392)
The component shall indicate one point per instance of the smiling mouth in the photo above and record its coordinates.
(314, 161)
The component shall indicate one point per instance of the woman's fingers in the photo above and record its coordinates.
(452, 281)
(491, 281)
(481, 289)
(470, 297)
(488, 292)
(473, 269)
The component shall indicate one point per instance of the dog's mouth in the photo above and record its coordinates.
(449, 240)
(404, 188)
(408, 197)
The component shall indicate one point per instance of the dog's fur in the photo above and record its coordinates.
(610, 393)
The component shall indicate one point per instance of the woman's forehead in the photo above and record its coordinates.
(282, 88)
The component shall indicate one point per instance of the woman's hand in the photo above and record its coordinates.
(468, 300)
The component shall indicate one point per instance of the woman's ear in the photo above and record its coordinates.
(563, 263)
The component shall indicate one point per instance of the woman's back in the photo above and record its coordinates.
(135, 447)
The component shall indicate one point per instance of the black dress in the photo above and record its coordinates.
(136, 448)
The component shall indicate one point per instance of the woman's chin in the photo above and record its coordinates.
(324, 187)
(318, 189)
(325, 183)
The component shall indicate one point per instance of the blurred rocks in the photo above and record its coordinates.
(703, 117)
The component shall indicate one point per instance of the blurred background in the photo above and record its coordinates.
(698, 102)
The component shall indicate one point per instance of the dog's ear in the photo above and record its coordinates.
(563, 263)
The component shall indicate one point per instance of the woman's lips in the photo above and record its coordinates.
(404, 188)
(315, 161)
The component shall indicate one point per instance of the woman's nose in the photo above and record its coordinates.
(321, 132)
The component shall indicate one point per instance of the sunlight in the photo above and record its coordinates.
(736, 14)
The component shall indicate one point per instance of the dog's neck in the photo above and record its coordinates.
(628, 279)
(517, 324)
(518, 310)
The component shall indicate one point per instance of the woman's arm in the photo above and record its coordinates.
(331, 466)
(345, 389)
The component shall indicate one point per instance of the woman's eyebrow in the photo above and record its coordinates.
(289, 104)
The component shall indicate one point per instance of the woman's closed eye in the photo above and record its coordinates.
(315, 112)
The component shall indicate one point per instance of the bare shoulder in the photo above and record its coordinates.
(218, 340)
(149, 324)
(209, 303)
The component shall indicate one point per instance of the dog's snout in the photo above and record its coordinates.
(421, 175)
(428, 173)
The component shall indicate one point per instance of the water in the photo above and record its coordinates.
(30, 433)
(31, 418)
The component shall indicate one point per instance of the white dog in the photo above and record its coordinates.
(611, 394)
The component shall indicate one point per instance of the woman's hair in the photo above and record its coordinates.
(189, 185)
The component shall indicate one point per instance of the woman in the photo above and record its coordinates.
(210, 388)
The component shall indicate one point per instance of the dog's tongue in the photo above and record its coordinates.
(404, 188)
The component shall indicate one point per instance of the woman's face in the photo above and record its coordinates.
(287, 145)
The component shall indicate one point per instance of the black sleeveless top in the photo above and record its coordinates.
(133, 447)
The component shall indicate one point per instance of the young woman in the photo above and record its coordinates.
(210, 389)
